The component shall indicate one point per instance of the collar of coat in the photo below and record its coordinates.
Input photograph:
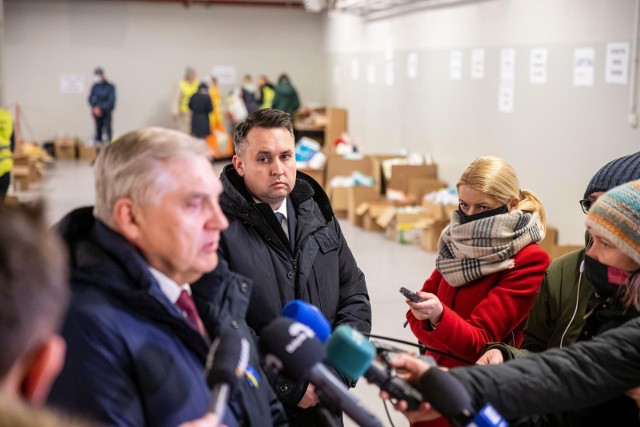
(236, 193)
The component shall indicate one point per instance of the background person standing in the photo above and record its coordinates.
(180, 112)
(102, 101)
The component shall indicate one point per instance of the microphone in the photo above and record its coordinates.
(309, 315)
(353, 355)
(449, 397)
(226, 363)
(292, 348)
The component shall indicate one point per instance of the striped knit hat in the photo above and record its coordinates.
(616, 216)
(615, 173)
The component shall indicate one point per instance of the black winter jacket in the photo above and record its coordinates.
(320, 270)
(132, 359)
(201, 106)
(581, 375)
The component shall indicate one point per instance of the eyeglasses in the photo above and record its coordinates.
(586, 204)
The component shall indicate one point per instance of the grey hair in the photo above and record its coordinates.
(133, 166)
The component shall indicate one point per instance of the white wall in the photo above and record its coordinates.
(144, 48)
(558, 135)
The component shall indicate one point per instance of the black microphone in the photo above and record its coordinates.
(226, 364)
(449, 397)
(292, 349)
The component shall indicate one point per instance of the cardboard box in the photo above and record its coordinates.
(430, 234)
(418, 187)
(65, 148)
(401, 225)
(340, 166)
(438, 211)
(356, 197)
(550, 240)
(401, 174)
(87, 152)
(558, 251)
(316, 174)
(370, 211)
(339, 197)
(21, 177)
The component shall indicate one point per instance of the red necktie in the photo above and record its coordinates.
(186, 304)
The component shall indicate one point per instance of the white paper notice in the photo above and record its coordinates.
(71, 83)
(336, 74)
(507, 64)
(583, 65)
(455, 65)
(505, 97)
(226, 74)
(538, 65)
(477, 64)
(390, 73)
(617, 63)
(355, 69)
(371, 73)
(412, 66)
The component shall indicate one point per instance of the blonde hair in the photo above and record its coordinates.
(497, 178)
(133, 167)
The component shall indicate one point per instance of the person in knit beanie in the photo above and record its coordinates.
(614, 223)
(614, 173)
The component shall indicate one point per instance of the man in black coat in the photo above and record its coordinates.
(102, 100)
(200, 106)
(283, 235)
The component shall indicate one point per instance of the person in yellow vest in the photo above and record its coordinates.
(180, 105)
(267, 92)
(7, 143)
(215, 118)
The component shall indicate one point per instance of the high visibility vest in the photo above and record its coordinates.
(187, 90)
(6, 129)
(215, 118)
(267, 97)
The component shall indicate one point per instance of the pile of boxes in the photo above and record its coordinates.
(71, 148)
(29, 162)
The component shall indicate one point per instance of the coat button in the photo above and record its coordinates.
(290, 275)
(234, 324)
(284, 388)
(243, 287)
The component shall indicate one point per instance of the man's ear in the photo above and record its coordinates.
(125, 218)
(238, 164)
(45, 365)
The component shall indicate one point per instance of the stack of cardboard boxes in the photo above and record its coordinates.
(71, 148)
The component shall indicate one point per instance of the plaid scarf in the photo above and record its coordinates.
(467, 252)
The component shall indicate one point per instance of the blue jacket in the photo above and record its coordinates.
(103, 95)
(132, 358)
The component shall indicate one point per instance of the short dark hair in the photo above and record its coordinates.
(267, 118)
(34, 288)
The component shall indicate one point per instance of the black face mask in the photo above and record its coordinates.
(464, 218)
(605, 280)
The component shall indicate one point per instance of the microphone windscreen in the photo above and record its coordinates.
(309, 315)
(227, 359)
(349, 352)
(447, 395)
(290, 348)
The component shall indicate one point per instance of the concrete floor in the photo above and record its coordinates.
(386, 264)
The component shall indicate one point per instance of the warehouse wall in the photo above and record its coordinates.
(557, 136)
(144, 48)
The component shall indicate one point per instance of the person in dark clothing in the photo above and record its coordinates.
(612, 265)
(284, 236)
(249, 94)
(137, 333)
(286, 97)
(102, 100)
(200, 106)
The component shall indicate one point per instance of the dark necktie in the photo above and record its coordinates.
(188, 307)
(283, 223)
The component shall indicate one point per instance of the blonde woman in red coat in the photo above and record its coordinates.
(488, 268)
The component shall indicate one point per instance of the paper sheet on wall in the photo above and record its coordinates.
(390, 73)
(505, 96)
(355, 69)
(507, 64)
(226, 74)
(72, 83)
(455, 65)
(412, 65)
(336, 74)
(583, 66)
(477, 64)
(616, 71)
(371, 73)
(538, 65)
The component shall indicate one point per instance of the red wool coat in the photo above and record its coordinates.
(493, 308)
